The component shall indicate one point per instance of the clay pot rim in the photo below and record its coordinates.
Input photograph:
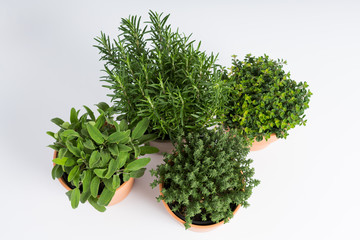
(193, 226)
(61, 180)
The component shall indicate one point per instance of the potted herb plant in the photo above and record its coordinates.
(160, 74)
(97, 159)
(206, 179)
(264, 102)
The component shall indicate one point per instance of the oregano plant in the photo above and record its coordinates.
(206, 176)
(95, 155)
(158, 73)
(263, 99)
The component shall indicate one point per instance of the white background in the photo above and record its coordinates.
(309, 182)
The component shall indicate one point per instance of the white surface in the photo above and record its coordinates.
(310, 182)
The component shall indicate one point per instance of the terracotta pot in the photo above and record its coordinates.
(256, 146)
(193, 227)
(120, 193)
(164, 146)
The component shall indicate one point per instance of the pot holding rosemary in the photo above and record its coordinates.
(206, 179)
(96, 158)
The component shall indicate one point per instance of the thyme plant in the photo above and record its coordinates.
(96, 155)
(264, 99)
(161, 74)
(206, 175)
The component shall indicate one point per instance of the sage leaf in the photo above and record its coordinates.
(138, 173)
(100, 172)
(106, 197)
(115, 181)
(75, 198)
(84, 196)
(73, 116)
(89, 144)
(93, 202)
(74, 150)
(140, 128)
(148, 150)
(57, 121)
(111, 169)
(94, 159)
(95, 134)
(57, 172)
(91, 113)
(74, 171)
(60, 161)
(137, 164)
(94, 186)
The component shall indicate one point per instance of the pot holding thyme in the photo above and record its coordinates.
(206, 179)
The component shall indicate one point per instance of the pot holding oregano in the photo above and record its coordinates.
(264, 102)
(206, 179)
(97, 159)
(160, 74)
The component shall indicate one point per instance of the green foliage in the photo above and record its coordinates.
(207, 172)
(264, 99)
(160, 74)
(96, 155)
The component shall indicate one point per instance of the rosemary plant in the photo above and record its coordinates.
(161, 74)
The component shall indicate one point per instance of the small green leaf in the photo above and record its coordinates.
(84, 196)
(94, 159)
(136, 151)
(138, 173)
(147, 138)
(123, 126)
(113, 148)
(111, 169)
(122, 158)
(100, 121)
(69, 133)
(75, 198)
(74, 150)
(70, 162)
(74, 171)
(115, 181)
(103, 106)
(94, 186)
(124, 148)
(106, 197)
(60, 161)
(126, 176)
(89, 144)
(65, 125)
(119, 137)
(93, 202)
(91, 114)
(140, 128)
(57, 171)
(57, 121)
(95, 134)
(51, 134)
(100, 172)
(73, 116)
(86, 181)
(137, 164)
(105, 157)
(148, 150)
